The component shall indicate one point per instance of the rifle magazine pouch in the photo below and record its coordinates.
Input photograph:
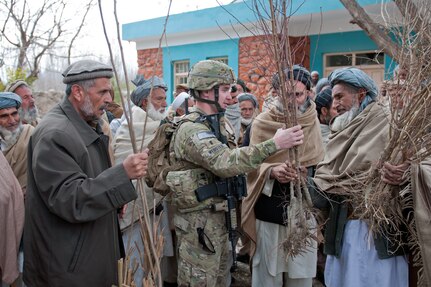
(184, 184)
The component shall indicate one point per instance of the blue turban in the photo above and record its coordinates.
(358, 79)
(9, 100)
(143, 88)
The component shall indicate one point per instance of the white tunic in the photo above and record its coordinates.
(359, 265)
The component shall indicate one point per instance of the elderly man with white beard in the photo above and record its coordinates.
(14, 136)
(356, 257)
(28, 112)
(149, 98)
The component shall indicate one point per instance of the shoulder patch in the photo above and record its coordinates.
(205, 135)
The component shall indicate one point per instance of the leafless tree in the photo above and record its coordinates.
(388, 36)
(30, 32)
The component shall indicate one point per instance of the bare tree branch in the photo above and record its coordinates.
(75, 36)
(372, 29)
(30, 33)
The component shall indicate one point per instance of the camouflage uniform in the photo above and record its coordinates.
(203, 244)
(195, 143)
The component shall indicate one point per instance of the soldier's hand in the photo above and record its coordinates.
(283, 173)
(287, 138)
(394, 174)
(136, 165)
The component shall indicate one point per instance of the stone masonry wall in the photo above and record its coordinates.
(147, 60)
(256, 65)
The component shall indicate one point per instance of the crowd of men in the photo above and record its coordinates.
(76, 171)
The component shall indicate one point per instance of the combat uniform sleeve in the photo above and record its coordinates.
(66, 189)
(197, 144)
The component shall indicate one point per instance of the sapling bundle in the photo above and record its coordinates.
(274, 21)
(389, 208)
(152, 239)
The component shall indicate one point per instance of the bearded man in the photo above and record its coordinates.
(325, 112)
(359, 135)
(249, 108)
(263, 213)
(153, 103)
(74, 194)
(14, 136)
(28, 112)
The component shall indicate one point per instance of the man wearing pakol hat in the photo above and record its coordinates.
(263, 212)
(28, 112)
(180, 88)
(149, 97)
(73, 193)
(325, 112)
(358, 137)
(14, 136)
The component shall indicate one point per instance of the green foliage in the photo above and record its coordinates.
(19, 73)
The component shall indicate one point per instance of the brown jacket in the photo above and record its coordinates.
(16, 155)
(71, 225)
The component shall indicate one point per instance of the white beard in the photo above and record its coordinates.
(156, 115)
(10, 138)
(29, 115)
(246, 122)
(342, 121)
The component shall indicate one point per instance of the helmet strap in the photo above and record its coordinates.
(215, 102)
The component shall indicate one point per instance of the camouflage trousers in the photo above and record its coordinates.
(203, 248)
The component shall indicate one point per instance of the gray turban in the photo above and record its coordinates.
(358, 79)
(323, 82)
(86, 70)
(248, 97)
(143, 88)
(9, 100)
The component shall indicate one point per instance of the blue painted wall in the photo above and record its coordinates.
(342, 42)
(241, 12)
(195, 53)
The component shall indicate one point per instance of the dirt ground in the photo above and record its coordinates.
(242, 277)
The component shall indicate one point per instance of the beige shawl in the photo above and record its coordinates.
(16, 155)
(123, 147)
(310, 153)
(421, 187)
(11, 221)
(353, 151)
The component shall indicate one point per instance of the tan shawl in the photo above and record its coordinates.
(16, 155)
(123, 147)
(11, 221)
(310, 153)
(353, 150)
(421, 187)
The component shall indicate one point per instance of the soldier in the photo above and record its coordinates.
(198, 191)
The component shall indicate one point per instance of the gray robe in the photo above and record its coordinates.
(71, 225)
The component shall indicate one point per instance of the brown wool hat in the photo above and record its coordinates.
(86, 70)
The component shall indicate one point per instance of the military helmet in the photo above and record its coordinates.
(207, 74)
